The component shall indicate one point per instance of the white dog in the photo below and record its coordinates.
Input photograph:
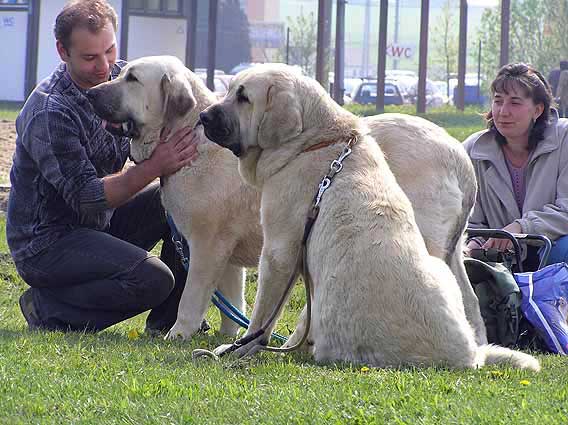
(379, 297)
(219, 214)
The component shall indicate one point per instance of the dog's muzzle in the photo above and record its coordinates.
(123, 129)
(217, 132)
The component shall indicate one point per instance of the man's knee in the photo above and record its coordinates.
(158, 281)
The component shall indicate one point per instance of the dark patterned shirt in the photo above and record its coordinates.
(62, 153)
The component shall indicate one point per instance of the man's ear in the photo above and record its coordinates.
(63, 53)
(178, 96)
(282, 119)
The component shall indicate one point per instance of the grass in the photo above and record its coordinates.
(121, 376)
(9, 111)
(458, 124)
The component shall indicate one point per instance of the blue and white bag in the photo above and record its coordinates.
(545, 304)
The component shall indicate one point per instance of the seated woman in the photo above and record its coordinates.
(521, 164)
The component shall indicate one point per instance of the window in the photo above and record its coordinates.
(14, 4)
(155, 7)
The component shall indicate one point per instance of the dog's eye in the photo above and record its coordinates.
(131, 77)
(241, 96)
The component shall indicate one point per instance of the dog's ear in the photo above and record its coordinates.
(282, 119)
(178, 96)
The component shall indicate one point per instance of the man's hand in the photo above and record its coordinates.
(175, 152)
(168, 157)
(503, 244)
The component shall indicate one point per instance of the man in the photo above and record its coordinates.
(554, 77)
(562, 93)
(79, 225)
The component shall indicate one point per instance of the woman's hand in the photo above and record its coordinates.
(503, 244)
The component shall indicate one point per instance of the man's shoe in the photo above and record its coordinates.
(29, 311)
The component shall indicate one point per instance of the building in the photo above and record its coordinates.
(27, 44)
(160, 27)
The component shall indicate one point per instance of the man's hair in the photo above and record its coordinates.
(525, 78)
(90, 14)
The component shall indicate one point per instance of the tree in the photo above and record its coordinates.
(443, 62)
(537, 35)
(303, 41)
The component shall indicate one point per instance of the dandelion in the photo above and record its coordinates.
(364, 369)
(525, 383)
(133, 334)
(496, 373)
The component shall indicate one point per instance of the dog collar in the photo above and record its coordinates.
(350, 141)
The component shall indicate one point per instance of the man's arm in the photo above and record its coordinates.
(167, 158)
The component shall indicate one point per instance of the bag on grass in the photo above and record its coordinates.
(545, 304)
(499, 300)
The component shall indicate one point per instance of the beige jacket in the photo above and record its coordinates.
(545, 209)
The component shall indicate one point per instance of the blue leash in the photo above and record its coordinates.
(222, 303)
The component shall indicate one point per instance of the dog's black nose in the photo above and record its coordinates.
(204, 118)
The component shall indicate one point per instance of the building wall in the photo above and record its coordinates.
(156, 36)
(13, 30)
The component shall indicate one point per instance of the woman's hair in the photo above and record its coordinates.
(523, 77)
(90, 14)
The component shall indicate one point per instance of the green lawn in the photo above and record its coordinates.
(8, 111)
(122, 377)
(459, 124)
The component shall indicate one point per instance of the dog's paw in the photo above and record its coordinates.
(179, 331)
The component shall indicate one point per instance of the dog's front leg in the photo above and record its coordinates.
(207, 264)
(277, 267)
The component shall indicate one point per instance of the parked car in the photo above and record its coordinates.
(365, 93)
(434, 96)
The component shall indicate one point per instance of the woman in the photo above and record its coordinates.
(521, 163)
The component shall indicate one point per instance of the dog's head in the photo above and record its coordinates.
(149, 93)
(262, 109)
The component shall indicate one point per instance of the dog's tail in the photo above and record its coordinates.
(493, 354)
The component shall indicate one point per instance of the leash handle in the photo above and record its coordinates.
(242, 341)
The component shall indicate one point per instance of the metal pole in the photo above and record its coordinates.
(339, 52)
(505, 21)
(212, 44)
(366, 34)
(423, 57)
(288, 46)
(396, 25)
(382, 59)
(32, 43)
(319, 42)
(479, 73)
(462, 55)
(322, 48)
(190, 50)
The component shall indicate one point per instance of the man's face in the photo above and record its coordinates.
(90, 56)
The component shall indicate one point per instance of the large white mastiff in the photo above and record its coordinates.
(379, 297)
(219, 214)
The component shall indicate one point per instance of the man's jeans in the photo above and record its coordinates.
(90, 280)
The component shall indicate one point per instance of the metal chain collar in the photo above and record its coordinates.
(335, 167)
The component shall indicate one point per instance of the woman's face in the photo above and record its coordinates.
(513, 113)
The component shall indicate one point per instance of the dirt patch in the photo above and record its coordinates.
(7, 146)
